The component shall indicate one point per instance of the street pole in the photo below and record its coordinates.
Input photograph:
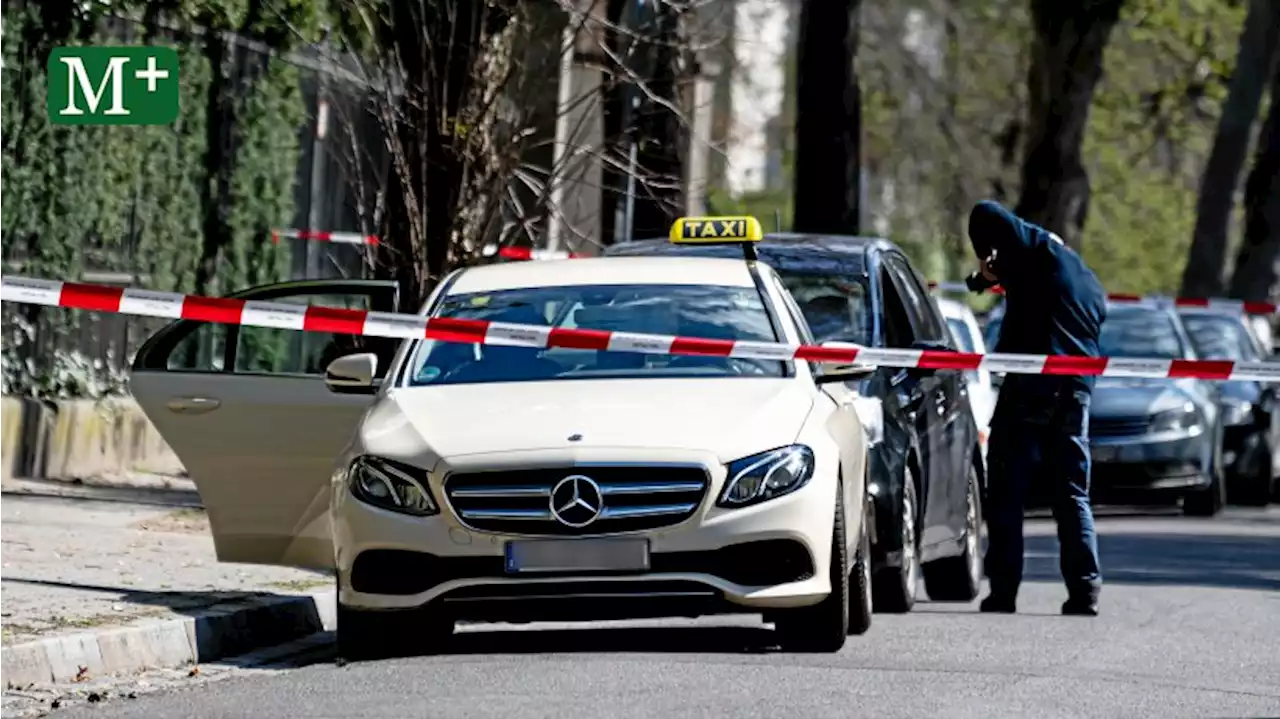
(316, 191)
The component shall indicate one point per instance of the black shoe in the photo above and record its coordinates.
(1080, 608)
(998, 604)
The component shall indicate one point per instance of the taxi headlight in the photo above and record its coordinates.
(392, 486)
(767, 475)
(1176, 420)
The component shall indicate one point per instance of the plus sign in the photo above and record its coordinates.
(151, 74)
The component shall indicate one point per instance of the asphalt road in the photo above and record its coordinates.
(1190, 627)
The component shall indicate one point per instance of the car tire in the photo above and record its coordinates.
(959, 578)
(1209, 501)
(824, 626)
(860, 599)
(364, 634)
(894, 588)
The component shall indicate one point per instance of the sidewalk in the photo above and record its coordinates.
(111, 584)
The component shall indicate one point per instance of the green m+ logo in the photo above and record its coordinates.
(135, 85)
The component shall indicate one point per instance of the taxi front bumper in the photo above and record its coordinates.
(771, 555)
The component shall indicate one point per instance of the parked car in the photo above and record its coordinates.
(968, 338)
(1250, 409)
(498, 482)
(926, 471)
(1151, 439)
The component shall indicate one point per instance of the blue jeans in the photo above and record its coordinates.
(1033, 440)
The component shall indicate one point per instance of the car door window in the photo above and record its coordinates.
(270, 350)
(898, 332)
(920, 308)
(240, 349)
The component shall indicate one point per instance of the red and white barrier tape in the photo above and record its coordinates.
(1252, 308)
(254, 313)
(529, 253)
(341, 238)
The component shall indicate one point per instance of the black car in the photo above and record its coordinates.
(1151, 440)
(927, 475)
(1250, 409)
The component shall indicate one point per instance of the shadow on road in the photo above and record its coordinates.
(668, 640)
(1242, 562)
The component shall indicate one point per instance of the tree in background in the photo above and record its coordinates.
(1206, 259)
(659, 123)
(1258, 263)
(828, 127)
(1066, 64)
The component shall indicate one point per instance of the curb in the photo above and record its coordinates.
(215, 634)
(133, 494)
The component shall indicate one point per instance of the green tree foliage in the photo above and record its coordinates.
(132, 199)
(1150, 134)
(944, 125)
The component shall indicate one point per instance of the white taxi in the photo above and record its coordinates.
(490, 482)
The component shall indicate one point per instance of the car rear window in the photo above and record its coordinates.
(835, 308)
(711, 312)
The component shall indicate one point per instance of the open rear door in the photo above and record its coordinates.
(247, 411)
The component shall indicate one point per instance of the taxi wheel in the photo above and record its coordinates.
(364, 634)
(959, 578)
(860, 601)
(824, 626)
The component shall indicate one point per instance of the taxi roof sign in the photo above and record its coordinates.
(716, 230)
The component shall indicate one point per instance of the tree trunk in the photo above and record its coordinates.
(1066, 64)
(659, 196)
(615, 93)
(828, 159)
(435, 44)
(1258, 264)
(1258, 41)
(229, 90)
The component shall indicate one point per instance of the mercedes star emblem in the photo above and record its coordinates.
(576, 501)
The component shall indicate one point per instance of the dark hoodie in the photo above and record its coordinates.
(1054, 303)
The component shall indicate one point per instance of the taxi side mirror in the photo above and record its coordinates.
(352, 374)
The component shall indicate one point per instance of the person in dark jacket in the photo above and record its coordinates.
(1054, 305)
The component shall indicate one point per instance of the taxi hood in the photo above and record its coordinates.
(731, 417)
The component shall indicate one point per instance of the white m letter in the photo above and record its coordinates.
(76, 73)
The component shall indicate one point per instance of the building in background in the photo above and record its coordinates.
(761, 35)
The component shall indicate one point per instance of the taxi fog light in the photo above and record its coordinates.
(767, 475)
(392, 486)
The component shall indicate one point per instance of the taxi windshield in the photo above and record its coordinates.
(710, 312)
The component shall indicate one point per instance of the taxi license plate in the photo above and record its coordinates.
(577, 555)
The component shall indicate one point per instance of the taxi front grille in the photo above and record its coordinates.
(617, 498)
